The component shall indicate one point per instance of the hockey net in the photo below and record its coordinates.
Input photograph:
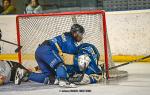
(33, 29)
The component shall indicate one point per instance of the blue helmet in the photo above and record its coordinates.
(90, 49)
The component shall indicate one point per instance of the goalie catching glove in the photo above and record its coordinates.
(85, 79)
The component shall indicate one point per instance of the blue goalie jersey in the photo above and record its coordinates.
(92, 68)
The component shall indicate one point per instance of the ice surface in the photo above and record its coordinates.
(137, 83)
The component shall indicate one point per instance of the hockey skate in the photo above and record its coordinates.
(20, 76)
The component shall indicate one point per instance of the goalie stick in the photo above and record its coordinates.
(126, 63)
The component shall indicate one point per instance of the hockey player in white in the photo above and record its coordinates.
(8, 70)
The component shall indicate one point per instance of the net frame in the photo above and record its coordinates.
(106, 47)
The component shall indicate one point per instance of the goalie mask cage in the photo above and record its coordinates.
(33, 29)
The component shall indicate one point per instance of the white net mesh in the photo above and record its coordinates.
(34, 29)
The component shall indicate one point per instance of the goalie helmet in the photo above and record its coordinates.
(83, 62)
(87, 56)
(89, 49)
(78, 29)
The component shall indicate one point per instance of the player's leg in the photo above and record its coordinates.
(50, 57)
(47, 60)
(53, 59)
(46, 57)
(37, 77)
(45, 72)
